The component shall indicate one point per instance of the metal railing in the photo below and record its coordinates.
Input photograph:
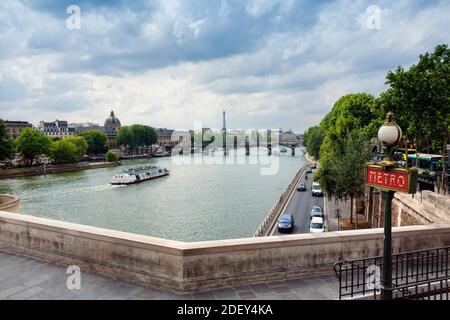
(415, 275)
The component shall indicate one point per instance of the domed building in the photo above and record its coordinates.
(112, 126)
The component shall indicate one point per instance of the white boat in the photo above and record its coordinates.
(135, 175)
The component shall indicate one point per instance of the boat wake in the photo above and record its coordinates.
(101, 188)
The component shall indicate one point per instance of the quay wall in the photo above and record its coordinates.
(60, 168)
(270, 221)
(197, 266)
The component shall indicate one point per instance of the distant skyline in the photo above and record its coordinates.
(267, 63)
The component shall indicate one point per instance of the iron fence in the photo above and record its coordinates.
(418, 274)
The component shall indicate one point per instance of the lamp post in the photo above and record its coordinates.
(389, 134)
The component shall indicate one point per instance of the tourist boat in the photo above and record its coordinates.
(135, 175)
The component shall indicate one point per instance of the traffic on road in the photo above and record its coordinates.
(304, 212)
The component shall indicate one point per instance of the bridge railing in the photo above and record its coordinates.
(422, 274)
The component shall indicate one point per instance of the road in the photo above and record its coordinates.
(300, 206)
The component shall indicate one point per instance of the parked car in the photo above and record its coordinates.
(301, 187)
(309, 170)
(316, 225)
(317, 212)
(316, 190)
(313, 166)
(286, 223)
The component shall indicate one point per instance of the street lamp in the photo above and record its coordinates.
(389, 134)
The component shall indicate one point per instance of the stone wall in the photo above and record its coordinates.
(185, 267)
(9, 203)
(424, 207)
(60, 168)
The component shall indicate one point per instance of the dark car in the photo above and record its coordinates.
(301, 187)
(286, 223)
(316, 212)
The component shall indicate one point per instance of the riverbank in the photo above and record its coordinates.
(60, 168)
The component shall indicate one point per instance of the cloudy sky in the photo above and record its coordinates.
(168, 63)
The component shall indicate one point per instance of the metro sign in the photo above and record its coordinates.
(403, 180)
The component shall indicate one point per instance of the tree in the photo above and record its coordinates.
(136, 136)
(313, 139)
(81, 145)
(111, 156)
(125, 137)
(6, 144)
(64, 151)
(420, 97)
(341, 173)
(32, 143)
(97, 141)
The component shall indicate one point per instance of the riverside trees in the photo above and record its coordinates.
(6, 144)
(420, 98)
(97, 141)
(31, 143)
(136, 136)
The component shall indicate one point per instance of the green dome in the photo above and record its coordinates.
(112, 120)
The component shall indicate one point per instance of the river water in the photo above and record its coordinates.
(201, 199)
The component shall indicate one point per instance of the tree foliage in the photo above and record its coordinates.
(96, 140)
(312, 140)
(420, 97)
(64, 151)
(111, 156)
(136, 135)
(31, 143)
(6, 143)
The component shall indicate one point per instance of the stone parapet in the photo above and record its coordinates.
(187, 267)
(9, 203)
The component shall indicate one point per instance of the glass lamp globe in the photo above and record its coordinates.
(390, 133)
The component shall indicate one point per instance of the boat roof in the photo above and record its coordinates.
(141, 169)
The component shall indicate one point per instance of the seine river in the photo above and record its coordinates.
(202, 200)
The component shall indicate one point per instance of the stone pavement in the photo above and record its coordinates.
(27, 278)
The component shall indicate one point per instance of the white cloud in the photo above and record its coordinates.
(183, 62)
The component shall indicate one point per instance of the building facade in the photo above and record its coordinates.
(164, 136)
(56, 129)
(14, 128)
(111, 127)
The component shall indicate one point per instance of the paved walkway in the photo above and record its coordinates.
(27, 278)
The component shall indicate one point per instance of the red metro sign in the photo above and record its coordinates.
(394, 180)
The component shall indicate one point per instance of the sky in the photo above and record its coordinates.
(267, 63)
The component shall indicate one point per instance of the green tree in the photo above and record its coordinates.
(64, 151)
(125, 137)
(136, 136)
(97, 141)
(32, 143)
(111, 156)
(313, 139)
(420, 98)
(80, 144)
(6, 144)
(341, 173)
